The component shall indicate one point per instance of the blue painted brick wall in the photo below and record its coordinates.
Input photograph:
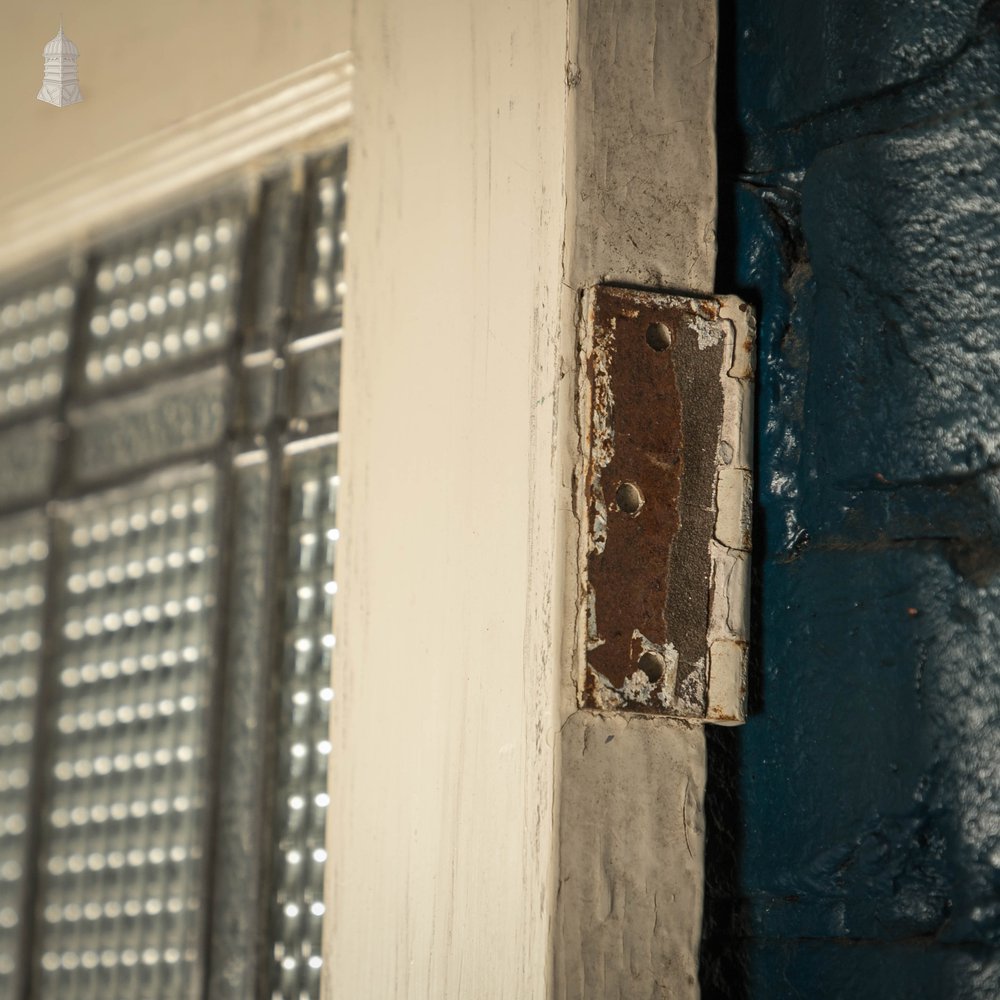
(854, 837)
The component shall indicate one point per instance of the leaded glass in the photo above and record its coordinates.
(121, 882)
(304, 732)
(34, 335)
(23, 549)
(169, 402)
(167, 293)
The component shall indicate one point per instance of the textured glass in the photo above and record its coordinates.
(326, 242)
(302, 799)
(224, 476)
(314, 376)
(34, 336)
(22, 591)
(121, 881)
(166, 294)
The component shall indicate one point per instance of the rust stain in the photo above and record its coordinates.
(656, 371)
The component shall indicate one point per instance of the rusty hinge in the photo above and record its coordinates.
(667, 413)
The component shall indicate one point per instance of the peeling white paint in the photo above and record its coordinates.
(729, 610)
(606, 695)
(732, 497)
(691, 691)
(593, 639)
(668, 655)
(638, 688)
(727, 680)
(708, 332)
(734, 459)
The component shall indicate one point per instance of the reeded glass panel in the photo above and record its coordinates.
(302, 797)
(22, 592)
(121, 884)
(326, 243)
(166, 294)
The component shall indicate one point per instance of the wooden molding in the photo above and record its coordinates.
(62, 212)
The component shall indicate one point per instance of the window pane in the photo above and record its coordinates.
(180, 628)
(121, 881)
(305, 714)
(23, 551)
(34, 337)
(166, 294)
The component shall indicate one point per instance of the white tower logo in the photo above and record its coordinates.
(60, 85)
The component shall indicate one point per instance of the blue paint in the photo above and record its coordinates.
(854, 835)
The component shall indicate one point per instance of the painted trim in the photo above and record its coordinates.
(66, 209)
(641, 205)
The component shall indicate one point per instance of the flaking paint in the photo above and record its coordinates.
(671, 579)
